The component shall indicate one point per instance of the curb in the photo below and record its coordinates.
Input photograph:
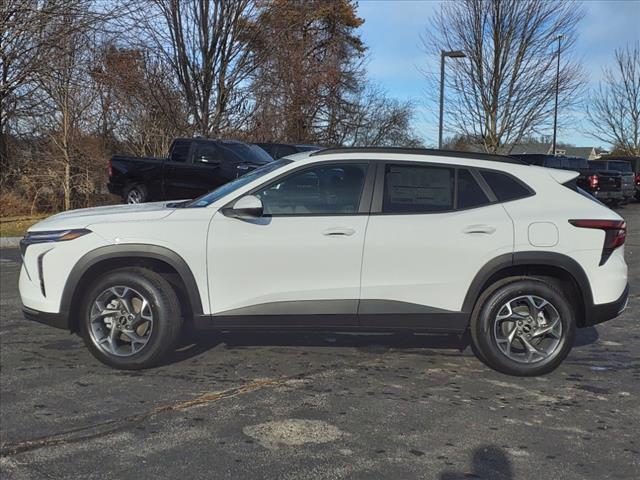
(10, 242)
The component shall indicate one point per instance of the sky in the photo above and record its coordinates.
(396, 57)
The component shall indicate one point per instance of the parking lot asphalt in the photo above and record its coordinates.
(311, 406)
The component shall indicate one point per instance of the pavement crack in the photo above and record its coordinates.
(108, 427)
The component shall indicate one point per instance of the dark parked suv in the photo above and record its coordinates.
(279, 150)
(626, 172)
(603, 184)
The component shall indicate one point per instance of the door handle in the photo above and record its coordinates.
(335, 232)
(488, 229)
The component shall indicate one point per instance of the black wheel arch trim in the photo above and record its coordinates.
(549, 259)
(129, 250)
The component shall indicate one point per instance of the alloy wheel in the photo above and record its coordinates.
(134, 196)
(121, 321)
(528, 329)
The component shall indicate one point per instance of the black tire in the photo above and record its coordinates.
(165, 309)
(490, 304)
(136, 193)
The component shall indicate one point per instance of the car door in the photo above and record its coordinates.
(177, 170)
(196, 172)
(300, 263)
(432, 228)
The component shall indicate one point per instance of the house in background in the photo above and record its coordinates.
(590, 153)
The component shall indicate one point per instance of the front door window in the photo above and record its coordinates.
(322, 190)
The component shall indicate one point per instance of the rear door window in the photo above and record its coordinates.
(180, 151)
(417, 189)
(470, 194)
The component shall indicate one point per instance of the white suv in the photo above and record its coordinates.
(371, 239)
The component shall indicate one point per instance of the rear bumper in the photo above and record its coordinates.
(609, 195)
(115, 189)
(606, 311)
(56, 320)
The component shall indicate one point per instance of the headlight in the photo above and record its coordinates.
(54, 236)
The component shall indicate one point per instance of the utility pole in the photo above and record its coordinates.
(443, 54)
(555, 109)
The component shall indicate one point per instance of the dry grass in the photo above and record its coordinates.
(17, 226)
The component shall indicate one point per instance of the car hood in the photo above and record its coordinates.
(84, 217)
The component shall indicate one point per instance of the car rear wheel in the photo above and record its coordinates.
(523, 326)
(130, 318)
(136, 194)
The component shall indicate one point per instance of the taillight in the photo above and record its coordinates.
(615, 233)
(594, 181)
(110, 168)
(637, 178)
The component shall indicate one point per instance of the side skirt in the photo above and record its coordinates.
(339, 315)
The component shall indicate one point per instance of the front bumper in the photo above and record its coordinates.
(56, 320)
(606, 311)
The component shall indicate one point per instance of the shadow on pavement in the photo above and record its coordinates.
(585, 336)
(194, 343)
(488, 462)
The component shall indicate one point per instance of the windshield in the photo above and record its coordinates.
(215, 195)
(598, 164)
(248, 153)
(620, 166)
(308, 148)
(576, 162)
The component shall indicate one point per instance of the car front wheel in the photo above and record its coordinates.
(130, 318)
(523, 326)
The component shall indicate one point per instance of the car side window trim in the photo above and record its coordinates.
(364, 206)
(378, 193)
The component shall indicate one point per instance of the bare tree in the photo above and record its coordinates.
(139, 108)
(614, 109)
(505, 87)
(205, 42)
(377, 120)
(67, 95)
(25, 40)
(310, 58)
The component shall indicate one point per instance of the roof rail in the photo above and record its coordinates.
(421, 151)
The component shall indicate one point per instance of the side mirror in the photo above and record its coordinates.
(208, 159)
(245, 208)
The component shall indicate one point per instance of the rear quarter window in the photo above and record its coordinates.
(504, 186)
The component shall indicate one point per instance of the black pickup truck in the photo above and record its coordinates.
(193, 167)
(606, 185)
(626, 172)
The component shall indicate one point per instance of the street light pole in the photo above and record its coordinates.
(555, 109)
(443, 54)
